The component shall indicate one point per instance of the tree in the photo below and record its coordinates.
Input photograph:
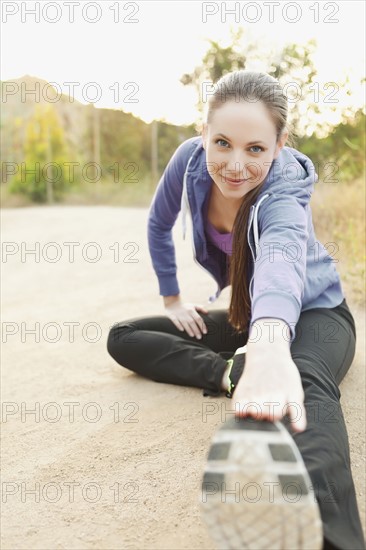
(44, 175)
(293, 67)
(330, 144)
(340, 156)
(217, 62)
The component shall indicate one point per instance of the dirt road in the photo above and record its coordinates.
(93, 456)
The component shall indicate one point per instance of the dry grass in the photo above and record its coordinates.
(339, 218)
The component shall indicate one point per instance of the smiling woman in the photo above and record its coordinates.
(239, 176)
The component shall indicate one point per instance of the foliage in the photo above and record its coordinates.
(44, 174)
(341, 151)
(340, 157)
(217, 62)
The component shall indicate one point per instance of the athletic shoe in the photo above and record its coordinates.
(256, 491)
(236, 362)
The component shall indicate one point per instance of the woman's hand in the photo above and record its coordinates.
(271, 382)
(185, 317)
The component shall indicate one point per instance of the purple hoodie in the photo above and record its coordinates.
(291, 271)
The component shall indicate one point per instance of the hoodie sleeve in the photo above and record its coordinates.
(280, 265)
(163, 213)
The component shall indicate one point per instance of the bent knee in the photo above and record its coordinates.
(120, 336)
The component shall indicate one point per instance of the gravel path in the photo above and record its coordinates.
(107, 459)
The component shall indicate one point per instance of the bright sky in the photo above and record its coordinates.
(167, 40)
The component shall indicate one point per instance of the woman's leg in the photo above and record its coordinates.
(323, 351)
(153, 347)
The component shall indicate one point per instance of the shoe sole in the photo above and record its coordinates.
(256, 491)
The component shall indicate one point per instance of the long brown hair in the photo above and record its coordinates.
(243, 85)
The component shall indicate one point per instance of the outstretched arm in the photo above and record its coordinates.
(271, 386)
(280, 267)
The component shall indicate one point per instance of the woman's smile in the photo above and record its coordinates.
(234, 182)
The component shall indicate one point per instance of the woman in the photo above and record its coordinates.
(284, 345)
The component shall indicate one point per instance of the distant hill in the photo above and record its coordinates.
(123, 137)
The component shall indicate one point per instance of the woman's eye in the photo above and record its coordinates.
(222, 140)
(257, 147)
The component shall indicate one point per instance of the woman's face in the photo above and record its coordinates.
(240, 144)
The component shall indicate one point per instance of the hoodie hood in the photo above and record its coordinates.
(292, 173)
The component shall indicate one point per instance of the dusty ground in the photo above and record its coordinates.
(124, 470)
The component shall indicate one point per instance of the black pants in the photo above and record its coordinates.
(323, 351)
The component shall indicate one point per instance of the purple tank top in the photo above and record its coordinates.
(223, 241)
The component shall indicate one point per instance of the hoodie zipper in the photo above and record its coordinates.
(253, 215)
(249, 226)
